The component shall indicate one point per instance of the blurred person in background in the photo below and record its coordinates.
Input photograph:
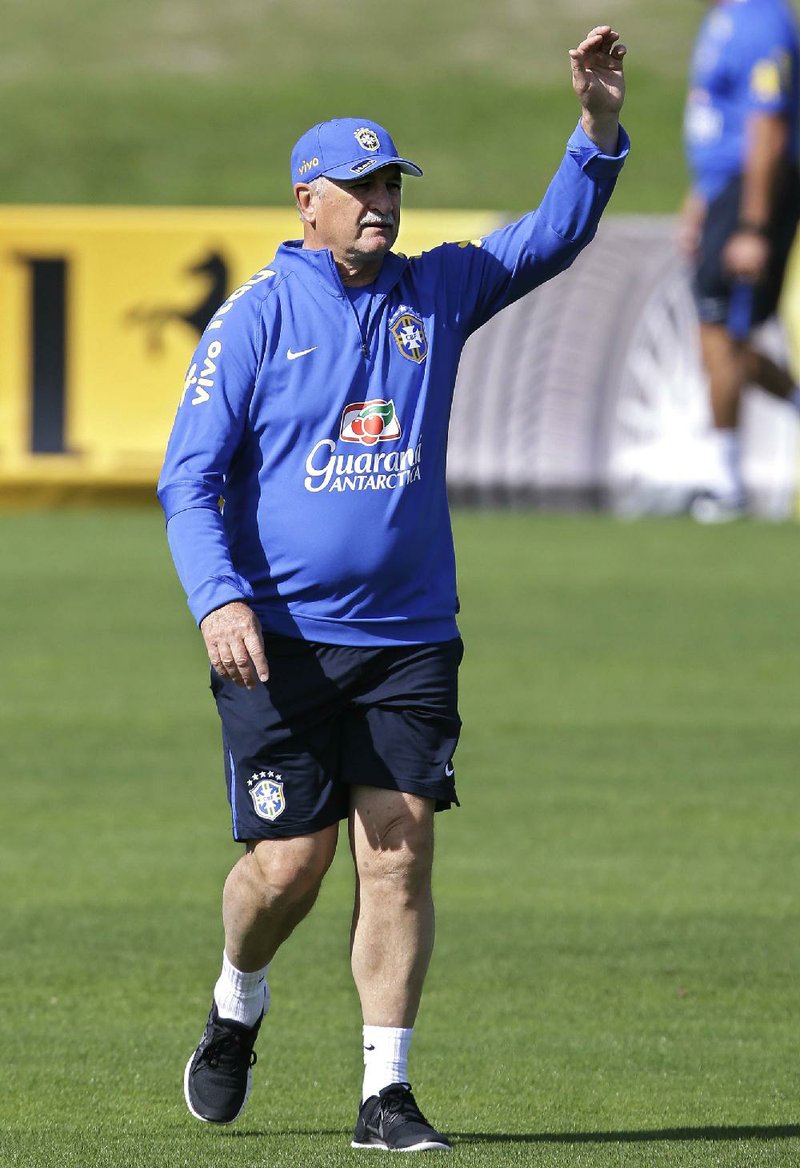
(317, 407)
(739, 219)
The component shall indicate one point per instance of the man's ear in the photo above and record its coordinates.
(306, 200)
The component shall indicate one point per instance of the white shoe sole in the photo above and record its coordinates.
(425, 1146)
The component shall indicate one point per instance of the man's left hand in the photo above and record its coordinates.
(599, 83)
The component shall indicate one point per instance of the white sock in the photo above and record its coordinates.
(385, 1057)
(794, 397)
(728, 459)
(242, 997)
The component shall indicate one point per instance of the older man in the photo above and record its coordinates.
(317, 408)
(741, 214)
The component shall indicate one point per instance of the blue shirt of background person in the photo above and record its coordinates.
(746, 61)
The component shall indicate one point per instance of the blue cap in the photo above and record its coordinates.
(346, 148)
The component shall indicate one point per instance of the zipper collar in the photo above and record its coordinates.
(322, 264)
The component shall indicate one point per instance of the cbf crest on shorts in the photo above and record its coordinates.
(266, 791)
(409, 333)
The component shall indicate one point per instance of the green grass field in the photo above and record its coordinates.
(616, 974)
(199, 103)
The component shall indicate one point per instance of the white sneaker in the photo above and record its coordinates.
(710, 508)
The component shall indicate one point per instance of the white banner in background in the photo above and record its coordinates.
(589, 391)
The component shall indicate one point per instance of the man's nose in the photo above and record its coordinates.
(382, 198)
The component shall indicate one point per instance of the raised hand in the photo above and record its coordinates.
(599, 84)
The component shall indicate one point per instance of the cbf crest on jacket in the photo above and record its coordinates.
(305, 473)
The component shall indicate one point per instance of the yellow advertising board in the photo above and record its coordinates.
(102, 308)
(101, 311)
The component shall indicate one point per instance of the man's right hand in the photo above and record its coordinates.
(746, 256)
(235, 644)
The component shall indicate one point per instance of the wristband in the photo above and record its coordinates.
(745, 225)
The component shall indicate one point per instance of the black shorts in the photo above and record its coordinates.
(712, 285)
(333, 716)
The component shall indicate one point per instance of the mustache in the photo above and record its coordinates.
(373, 219)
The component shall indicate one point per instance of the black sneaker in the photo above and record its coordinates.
(392, 1121)
(216, 1082)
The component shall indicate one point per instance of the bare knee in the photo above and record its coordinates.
(286, 872)
(393, 845)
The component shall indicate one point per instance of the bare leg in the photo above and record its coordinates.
(724, 359)
(391, 836)
(732, 364)
(726, 368)
(269, 891)
(762, 370)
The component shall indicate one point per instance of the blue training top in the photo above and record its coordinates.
(746, 61)
(322, 423)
